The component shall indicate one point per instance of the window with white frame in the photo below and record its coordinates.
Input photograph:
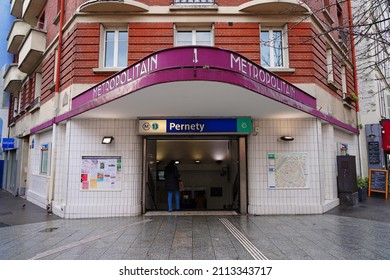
(329, 65)
(115, 47)
(384, 102)
(55, 66)
(343, 80)
(273, 47)
(16, 106)
(327, 5)
(45, 160)
(201, 36)
(38, 85)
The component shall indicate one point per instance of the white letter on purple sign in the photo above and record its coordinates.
(234, 60)
(195, 59)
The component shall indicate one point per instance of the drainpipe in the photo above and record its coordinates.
(353, 51)
(355, 81)
(50, 191)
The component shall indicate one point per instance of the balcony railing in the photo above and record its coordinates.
(31, 10)
(13, 78)
(35, 104)
(31, 50)
(194, 2)
(343, 37)
(16, 8)
(12, 121)
(16, 35)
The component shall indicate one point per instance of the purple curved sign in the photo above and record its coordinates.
(195, 63)
(196, 57)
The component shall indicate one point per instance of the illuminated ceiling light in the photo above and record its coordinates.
(287, 138)
(197, 161)
(107, 139)
(177, 162)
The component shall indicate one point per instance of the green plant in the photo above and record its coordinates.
(353, 96)
(362, 182)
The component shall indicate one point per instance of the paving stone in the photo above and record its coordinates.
(342, 234)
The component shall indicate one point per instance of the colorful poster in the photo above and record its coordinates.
(101, 173)
(93, 183)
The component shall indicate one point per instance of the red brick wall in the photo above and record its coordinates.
(47, 77)
(307, 50)
(146, 38)
(83, 52)
(240, 37)
(29, 97)
(50, 14)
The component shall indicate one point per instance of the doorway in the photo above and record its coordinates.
(208, 166)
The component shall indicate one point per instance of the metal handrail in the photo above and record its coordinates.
(202, 2)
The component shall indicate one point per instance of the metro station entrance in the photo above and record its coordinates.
(210, 167)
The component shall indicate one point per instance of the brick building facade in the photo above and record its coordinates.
(289, 73)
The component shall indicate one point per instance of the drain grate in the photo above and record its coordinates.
(51, 229)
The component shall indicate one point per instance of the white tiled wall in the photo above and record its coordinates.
(38, 183)
(311, 138)
(62, 165)
(329, 169)
(83, 138)
(77, 138)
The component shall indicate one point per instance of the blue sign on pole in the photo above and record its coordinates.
(8, 144)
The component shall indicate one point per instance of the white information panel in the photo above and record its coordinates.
(287, 170)
(101, 173)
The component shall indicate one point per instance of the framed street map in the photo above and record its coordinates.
(287, 170)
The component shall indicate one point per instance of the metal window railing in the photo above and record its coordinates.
(36, 101)
(343, 37)
(202, 2)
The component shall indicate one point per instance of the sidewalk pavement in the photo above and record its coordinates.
(355, 232)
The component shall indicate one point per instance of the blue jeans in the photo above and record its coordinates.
(177, 200)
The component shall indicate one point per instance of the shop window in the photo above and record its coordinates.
(44, 166)
(202, 36)
(115, 48)
(273, 48)
(329, 64)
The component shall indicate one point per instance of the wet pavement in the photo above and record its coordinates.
(15, 210)
(346, 232)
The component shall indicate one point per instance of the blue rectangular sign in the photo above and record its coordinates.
(201, 125)
(197, 126)
(8, 144)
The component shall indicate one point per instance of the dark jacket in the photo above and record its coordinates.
(171, 174)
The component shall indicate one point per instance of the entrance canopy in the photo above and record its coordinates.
(194, 81)
(193, 98)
